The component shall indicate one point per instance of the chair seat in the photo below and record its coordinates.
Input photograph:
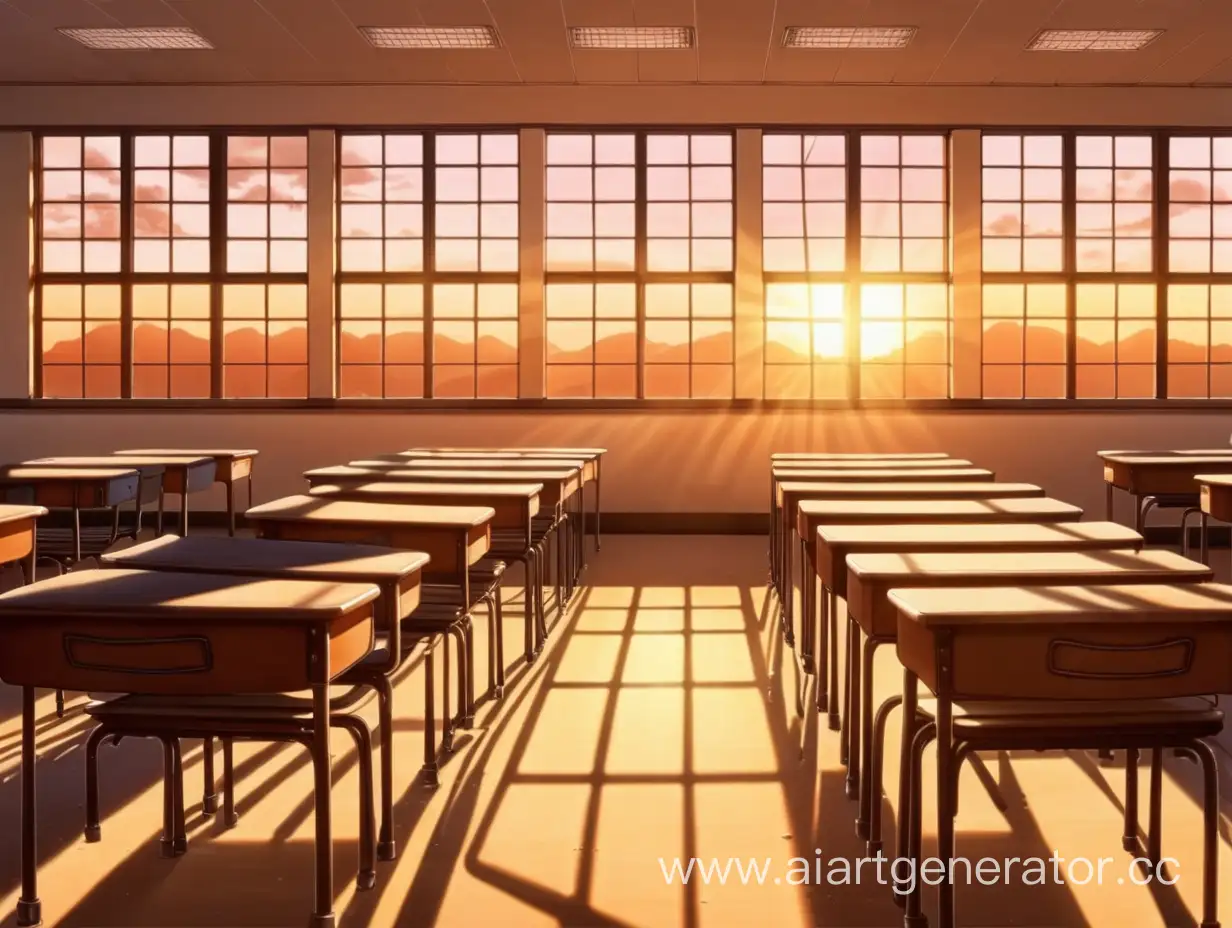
(95, 539)
(1184, 718)
(432, 618)
(276, 707)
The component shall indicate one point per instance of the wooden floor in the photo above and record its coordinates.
(659, 723)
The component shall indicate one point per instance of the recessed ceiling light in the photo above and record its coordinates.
(637, 37)
(175, 37)
(848, 36)
(1093, 40)
(431, 36)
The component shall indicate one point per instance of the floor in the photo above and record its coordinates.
(659, 723)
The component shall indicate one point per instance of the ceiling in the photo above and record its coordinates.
(965, 42)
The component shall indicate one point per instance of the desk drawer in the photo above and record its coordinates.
(184, 658)
(1080, 662)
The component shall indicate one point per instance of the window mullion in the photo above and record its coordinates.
(641, 246)
(1159, 259)
(851, 292)
(429, 263)
(1069, 235)
(218, 256)
(127, 208)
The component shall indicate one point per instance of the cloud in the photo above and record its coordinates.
(1005, 224)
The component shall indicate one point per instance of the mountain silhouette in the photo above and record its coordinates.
(915, 369)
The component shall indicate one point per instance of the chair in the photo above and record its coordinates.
(1133, 725)
(171, 718)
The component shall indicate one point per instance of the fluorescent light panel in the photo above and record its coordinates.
(636, 37)
(145, 37)
(431, 36)
(848, 36)
(1093, 40)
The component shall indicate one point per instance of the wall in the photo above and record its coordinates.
(666, 461)
(661, 461)
(600, 105)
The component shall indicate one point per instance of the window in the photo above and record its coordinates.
(1200, 341)
(1024, 340)
(1022, 184)
(133, 299)
(265, 297)
(873, 324)
(428, 259)
(1069, 305)
(1199, 293)
(1113, 215)
(902, 203)
(640, 257)
(1025, 298)
(78, 263)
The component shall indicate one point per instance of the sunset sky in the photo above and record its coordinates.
(591, 186)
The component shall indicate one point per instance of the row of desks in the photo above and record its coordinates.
(140, 477)
(214, 617)
(916, 552)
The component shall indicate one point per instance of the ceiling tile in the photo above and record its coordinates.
(534, 33)
(733, 39)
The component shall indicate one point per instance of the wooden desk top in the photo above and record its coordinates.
(910, 490)
(319, 509)
(492, 464)
(925, 536)
(1163, 453)
(589, 453)
(259, 557)
(859, 456)
(216, 453)
(27, 473)
(454, 464)
(825, 473)
(845, 512)
(411, 475)
(139, 595)
(874, 464)
(1215, 480)
(11, 514)
(1217, 461)
(903, 569)
(1120, 605)
(486, 490)
(138, 461)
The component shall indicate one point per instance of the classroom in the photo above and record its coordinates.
(615, 463)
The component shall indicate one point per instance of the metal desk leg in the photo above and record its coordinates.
(854, 708)
(832, 609)
(184, 511)
(598, 491)
(230, 485)
(323, 889)
(808, 592)
(29, 908)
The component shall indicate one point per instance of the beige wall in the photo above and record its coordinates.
(663, 461)
(649, 104)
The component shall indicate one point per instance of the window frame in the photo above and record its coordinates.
(428, 276)
(853, 277)
(216, 278)
(640, 276)
(1161, 276)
